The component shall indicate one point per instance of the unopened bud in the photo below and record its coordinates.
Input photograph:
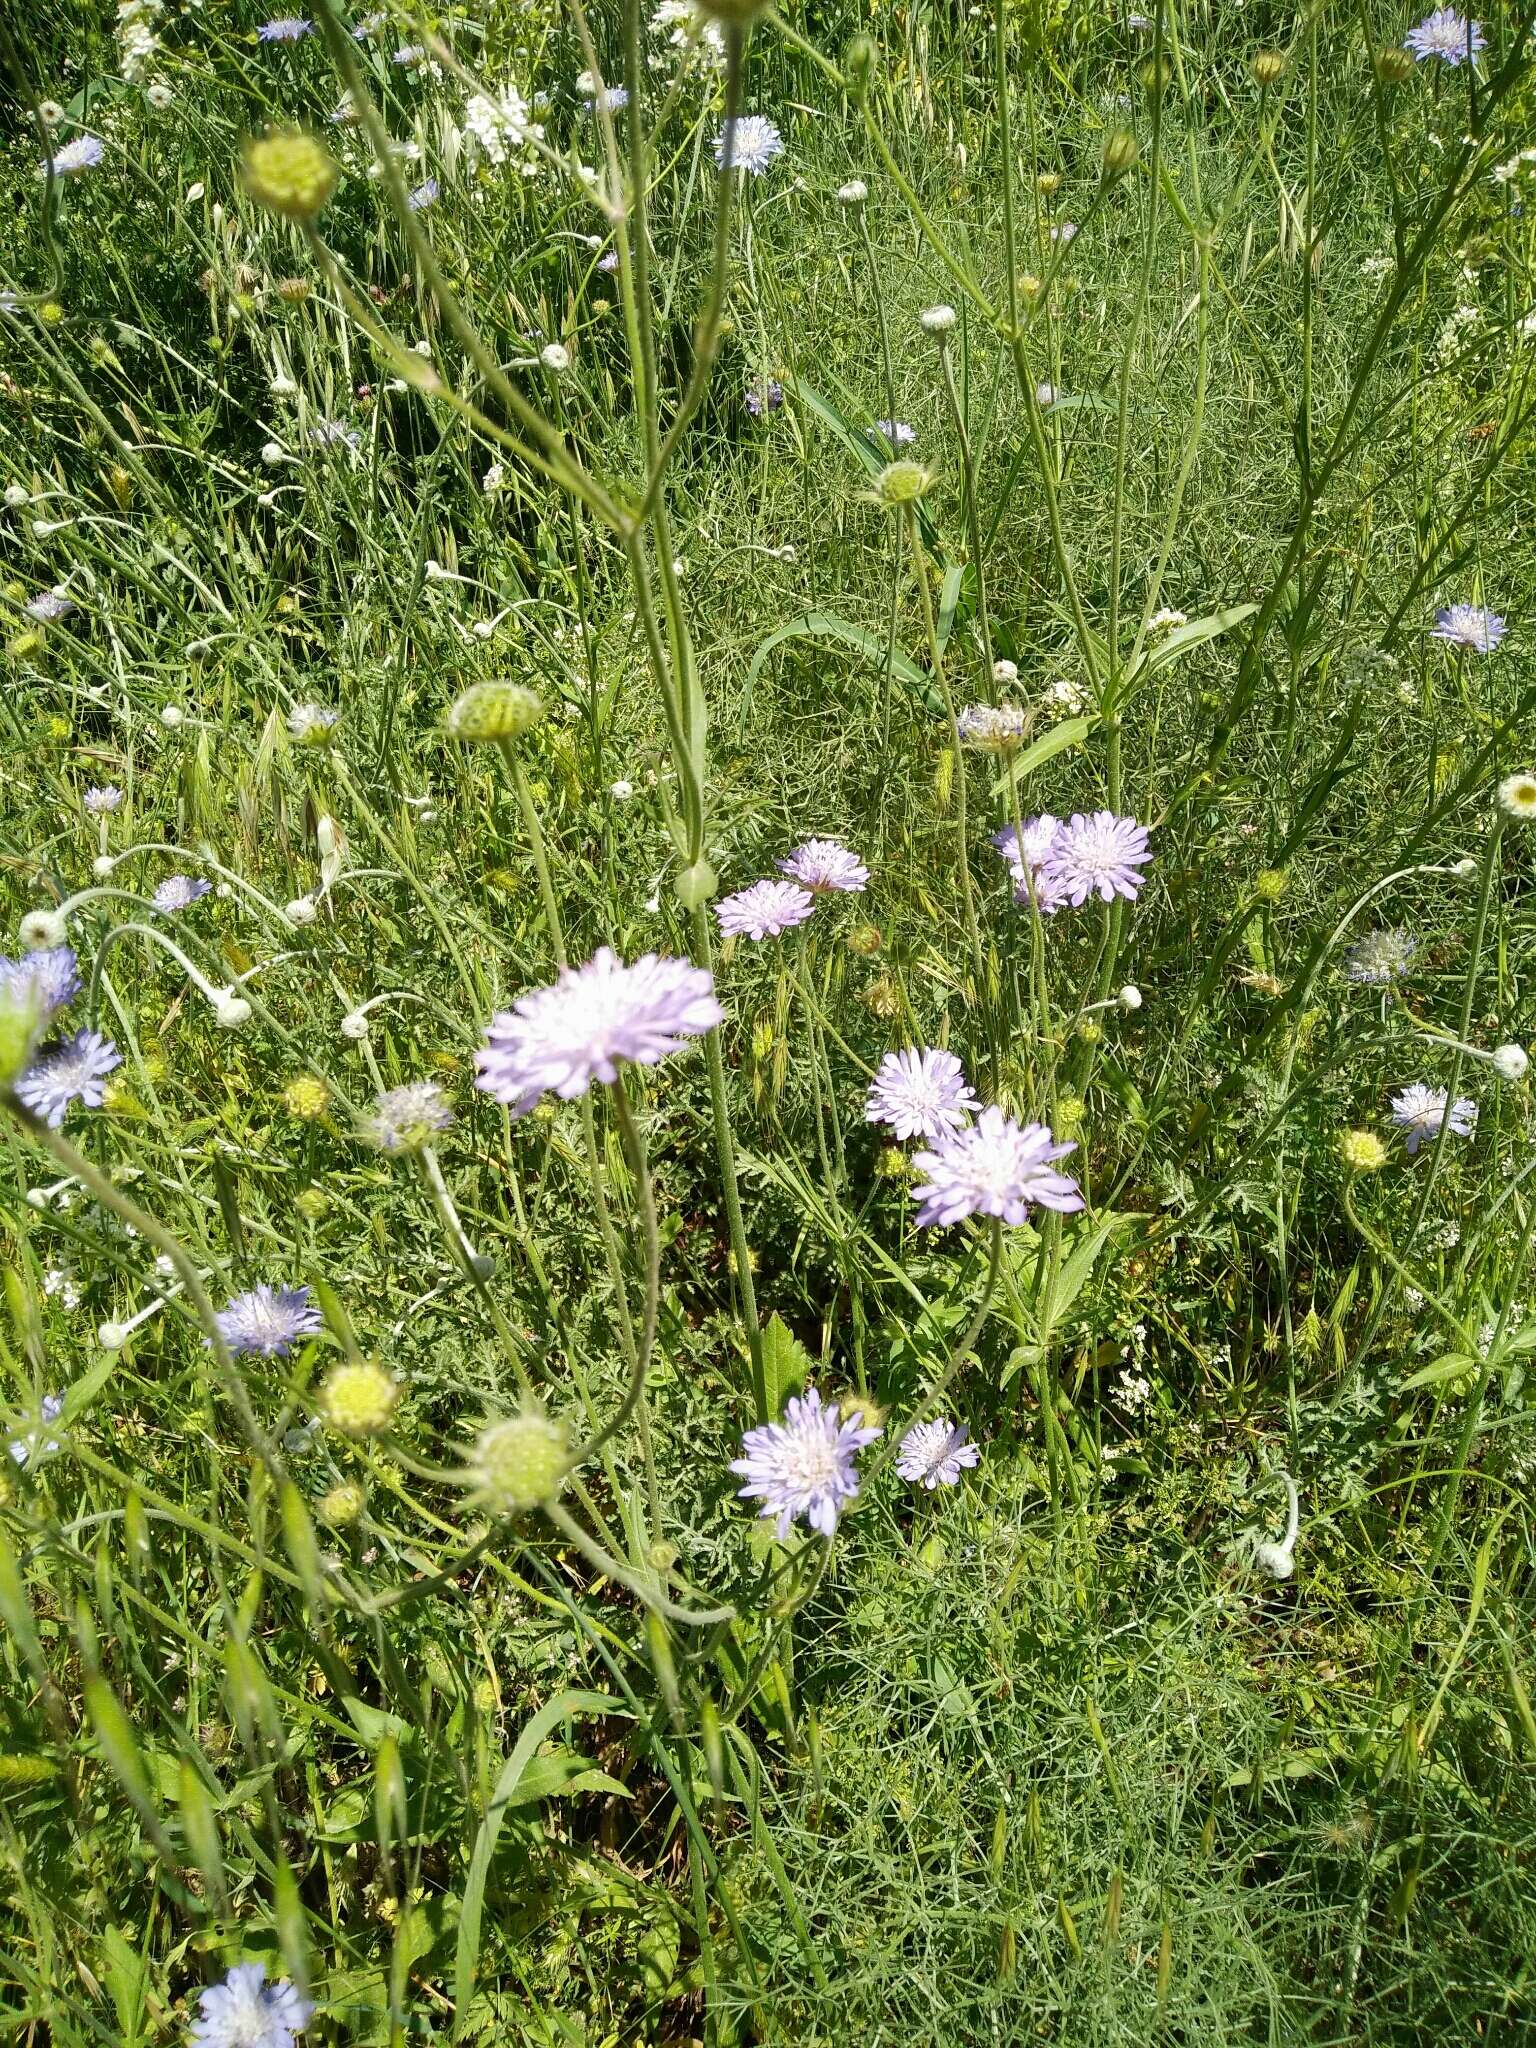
(1268, 67)
(290, 173)
(495, 711)
(696, 885)
(1120, 153)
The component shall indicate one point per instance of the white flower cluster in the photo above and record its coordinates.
(497, 126)
(138, 39)
(1522, 162)
(687, 28)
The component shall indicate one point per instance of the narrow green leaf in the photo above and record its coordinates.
(1070, 733)
(831, 626)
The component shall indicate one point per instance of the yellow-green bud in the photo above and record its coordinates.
(696, 885)
(1268, 66)
(339, 1508)
(519, 1463)
(859, 61)
(1394, 66)
(21, 1020)
(1120, 153)
(290, 172)
(901, 483)
(495, 711)
(1362, 1151)
(1270, 884)
(359, 1398)
(313, 1204)
(1157, 74)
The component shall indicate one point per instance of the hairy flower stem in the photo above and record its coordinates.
(534, 829)
(474, 1267)
(972, 515)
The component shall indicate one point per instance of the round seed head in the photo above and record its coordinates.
(519, 1463)
(359, 1398)
(1362, 1151)
(290, 173)
(495, 711)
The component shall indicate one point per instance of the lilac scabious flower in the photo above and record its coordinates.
(1032, 884)
(73, 1071)
(268, 1320)
(920, 1094)
(804, 1465)
(424, 195)
(750, 144)
(608, 262)
(50, 606)
(309, 723)
(84, 153)
(1447, 35)
(1096, 855)
(895, 432)
(245, 2011)
(826, 868)
(1380, 957)
(335, 434)
(52, 974)
(934, 1454)
(405, 1119)
(764, 397)
(996, 1168)
(613, 99)
(1468, 625)
(36, 1444)
(179, 892)
(993, 728)
(105, 797)
(764, 910)
(1420, 1111)
(560, 1040)
(285, 28)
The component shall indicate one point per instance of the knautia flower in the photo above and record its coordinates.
(934, 1454)
(245, 2011)
(1447, 35)
(268, 1321)
(764, 910)
(50, 606)
(1517, 795)
(519, 1462)
(104, 798)
(422, 196)
(995, 1168)
(83, 153)
(613, 99)
(1024, 861)
(285, 28)
(803, 1467)
(826, 868)
(73, 1071)
(334, 434)
(993, 728)
(560, 1040)
(920, 1094)
(753, 143)
(51, 975)
(405, 1119)
(1419, 1112)
(1380, 957)
(37, 1443)
(895, 433)
(1468, 625)
(311, 724)
(1096, 854)
(763, 397)
(180, 892)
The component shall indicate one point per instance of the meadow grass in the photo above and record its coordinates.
(428, 1657)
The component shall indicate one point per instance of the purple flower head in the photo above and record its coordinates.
(753, 143)
(1447, 35)
(764, 910)
(934, 1454)
(896, 433)
(995, 1168)
(50, 606)
(1095, 855)
(267, 1320)
(179, 892)
(424, 195)
(335, 434)
(803, 1466)
(75, 1070)
(37, 1443)
(763, 397)
(285, 28)
(1468, 625)
(106, 797)
(826, 868)
(245, 2011)
(611, 100)
(560, 1040)
(920, 1095)
(608, 262)
(84, 153)
(1029, 882)
(1380, 957)
(52, 973)
(994, 729)
(406, 1118)
(1420, 1111)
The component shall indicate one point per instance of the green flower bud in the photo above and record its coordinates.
(290, 172)
(519, 1463)
(495, 711)
(696, 885)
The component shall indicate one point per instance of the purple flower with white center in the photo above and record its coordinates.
(409, 56)
(996, 1168)
(1468, 625)
(52, 974)
(179, 892)
(934, 1454)
(896, 433)
(560, 1040)
(826, 868)
(75, 1070)
(764, 397)
(104, 797)
(84, 153)
(608, 262)
(803, 1467)
(920, 1094)
(1095, 855)
(1447, 35)
(1380, 957)
(50, 606)
(267, 1321)
(35, 1444)
(405, 1119)
(309, 723)
(993, 728)
(245, 2011)
(335, 434)
(752, 142)
(611, 100)
(285, 28)
(1039, 836)
(1420, 1111)
(424, 195)
(764, 910)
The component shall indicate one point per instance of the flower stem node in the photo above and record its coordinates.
(519, 1463)
(291, 173)
(495, 712)
(358, 1398)
(696, 885)
(1362, 1151)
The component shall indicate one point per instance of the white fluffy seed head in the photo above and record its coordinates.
(1278, 1559)
(1130, 997)
(937, 319)
(230, 1011)
(40, 929)
(555, 358)
(854, 193)
(301, 910)
(102, 866)
(355, 1026)
(171, 716)
(111, 1336)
